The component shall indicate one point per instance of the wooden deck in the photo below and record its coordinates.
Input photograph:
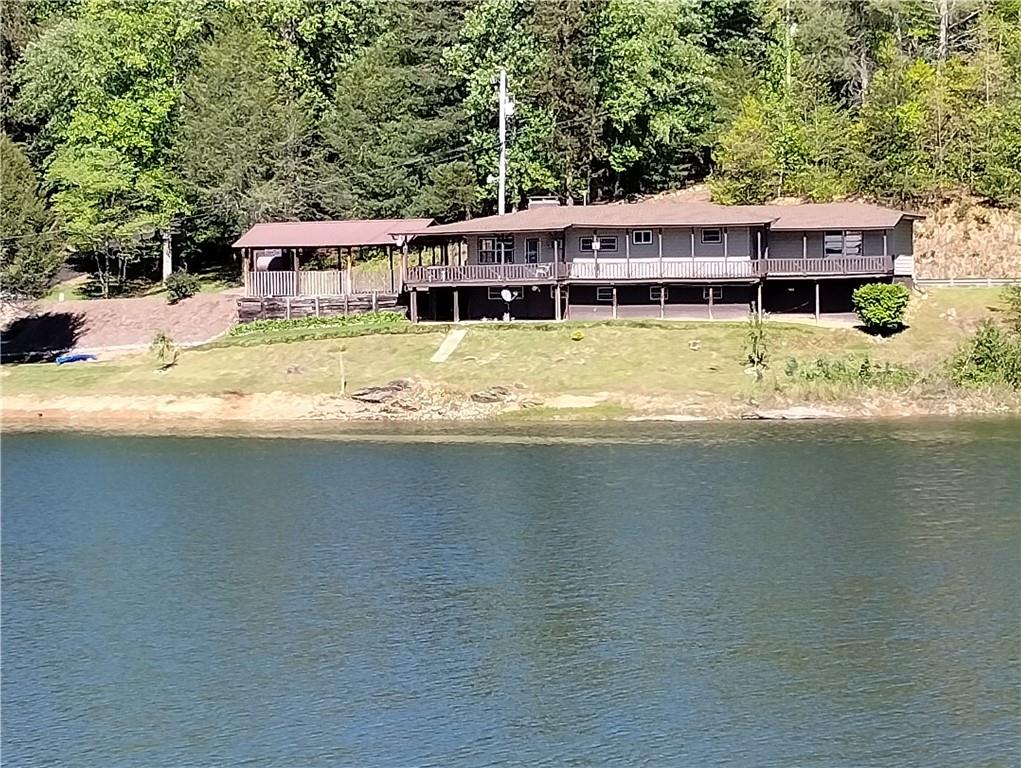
(643, 271)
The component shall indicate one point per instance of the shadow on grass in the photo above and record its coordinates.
(40, 338)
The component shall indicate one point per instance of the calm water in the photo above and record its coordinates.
(748, 594)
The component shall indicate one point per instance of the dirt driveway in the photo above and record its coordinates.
(99, 325)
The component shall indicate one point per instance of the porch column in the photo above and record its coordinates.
(457, 306)
(726, 245)
(567, 302)
(614, 291)
(710, 302)
(886, 253)
(627, 251)
(413, 305)
(558, 308)
(390, 258)
(297, 273)
(659, 240)
(350, 272)
(662, 302)
(404, 262)
(804, 245)
(817, 301)
(595, 251)
(692, 242)
(556, 261)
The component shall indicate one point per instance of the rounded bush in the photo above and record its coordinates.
(881, 306)
(180, 285)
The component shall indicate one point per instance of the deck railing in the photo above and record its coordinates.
(329, 282)
(483, 274)
(840, 265)
(674, 269)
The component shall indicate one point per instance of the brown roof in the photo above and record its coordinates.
(833, 216)
(673, 213)
(327, 234)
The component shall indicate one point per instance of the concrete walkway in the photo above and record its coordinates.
(448, 345)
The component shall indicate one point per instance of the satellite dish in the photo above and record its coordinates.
(506, 295)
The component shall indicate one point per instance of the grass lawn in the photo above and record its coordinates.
(697, 361)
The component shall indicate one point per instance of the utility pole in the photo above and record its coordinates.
(501, 204)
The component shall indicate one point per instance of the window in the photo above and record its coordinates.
(712, 235)
(716, 291)
(532, 250)
(604, 293)
(848, 243)
(605, 243)
(496, 250)
(496, 294)
(852, 243)
(642, 237)
(833, 244)
(658, 293)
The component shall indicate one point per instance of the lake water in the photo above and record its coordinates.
(687, 595)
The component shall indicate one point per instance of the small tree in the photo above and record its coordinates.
(881, 306)
(165, 350)
(757, 345)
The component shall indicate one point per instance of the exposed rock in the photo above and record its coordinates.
(795, 413)
(668, 417)
(495, 394)
(382, 394)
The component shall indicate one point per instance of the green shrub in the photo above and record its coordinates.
(990, 356)
(881, 306)
(366, 319)
(853, 371)
(180, 285)
(1012, 298)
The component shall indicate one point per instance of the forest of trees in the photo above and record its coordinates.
(124, 119)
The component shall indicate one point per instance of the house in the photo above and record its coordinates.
(659, 258)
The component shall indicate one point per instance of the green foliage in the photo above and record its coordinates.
(366, 319)
(1012, 298)
(991, 356)
(757, 345)
(881, 306)
(851, 371)
(30, 254)
(181, 285)
(164, 349)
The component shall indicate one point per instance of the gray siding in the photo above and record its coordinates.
(791, 245)
(676, 244)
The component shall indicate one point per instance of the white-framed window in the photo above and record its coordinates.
(712, 236)
(532, 250)
(606, 243)
(496, 294)
(716, 291)
(642, 237)
(656, 292)
(496, 250)
(604, 293)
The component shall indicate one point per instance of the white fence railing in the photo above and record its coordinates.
(327, 282)
(965, 282)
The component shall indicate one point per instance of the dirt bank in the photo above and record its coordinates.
(421, 402)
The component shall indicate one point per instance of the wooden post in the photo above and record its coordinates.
(758, 299)
(613, 291)
(297, 275)
(404, 262)
(375, 302)
(413, 301)
(317, 306)
(710, 302)
(558, 310)
(627, 252)
(567, 302)
(457, 306)
(347, 303)
(659, 239)
(390, 258)
(817, 301)
(287, 306)
(350, 272)
(662, 302)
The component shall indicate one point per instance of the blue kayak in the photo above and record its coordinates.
(75, 357)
